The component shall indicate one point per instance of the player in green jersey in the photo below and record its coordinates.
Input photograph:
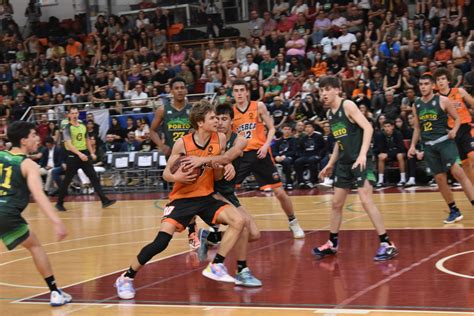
(353, 134)
(430, 113)
(19, 176)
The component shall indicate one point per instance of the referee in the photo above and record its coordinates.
(78, 157)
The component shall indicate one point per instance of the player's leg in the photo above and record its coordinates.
(244, 276)
(40, 258)
(72, 164)
(88, 169)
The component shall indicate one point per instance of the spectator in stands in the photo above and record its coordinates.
(51, 159)
(284, 151)
(160, 20)
(407, 102)
(3, 128)
(393, 80)
(249, 68)
(455, 74)
(391, 108)
(19, 107)
(242, 51)
(159, 41)
(291, 88)
(282, 67)
(273, 90)
(321, 25)
(295, 47)
(255, 25)
(116, 130)
(142, 129)
(138, 98)
(111, 144)
(418, 58)
(284, 27)
(42, 128)
(131, 126)
(274, 43)
(162, 77)
(227, 52)
(98, 164)
(389, 146)
(214, 76)
(279, 111)
(147, 144)
(301, 111)
(213, 16)
(280, 8)
(320, 67)
(362, 94)
(269, 24)
(130, 144)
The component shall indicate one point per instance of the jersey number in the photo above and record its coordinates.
(427, 126)
(248, 134)
(6, 176)
(79, 137)
(177, 135)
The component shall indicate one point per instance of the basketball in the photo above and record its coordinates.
(177, 164)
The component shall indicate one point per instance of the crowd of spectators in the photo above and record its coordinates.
(378, 49)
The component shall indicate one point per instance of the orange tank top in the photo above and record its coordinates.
(248, 124)
(204, 185)
(456, 99)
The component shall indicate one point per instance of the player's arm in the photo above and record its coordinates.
(356, 115)
(268, 120)
(30, 171)
(218, 168)
(448, 107)
(469, 100)
(179, 176)
(69, 146)
(155, 125)
(416, 134)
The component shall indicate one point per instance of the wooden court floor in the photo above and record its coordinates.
(433, 275)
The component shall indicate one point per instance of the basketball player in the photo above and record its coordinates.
(460, 99)
(20, 176)
(353, 134)
(225, 191)
(173, 117)
(192, 196)
(431, 116)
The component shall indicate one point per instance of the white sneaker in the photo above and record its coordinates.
(59, 298)
(328, 182)
(125, 289)
(296, 229)
(401, 184)
(410, 183)
(217, 272)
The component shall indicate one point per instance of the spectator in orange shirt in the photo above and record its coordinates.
(320, 67)
(73, 48)
(443, 54)
(362, 94)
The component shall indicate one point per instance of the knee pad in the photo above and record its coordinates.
(158, 245)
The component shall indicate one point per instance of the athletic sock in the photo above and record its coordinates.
(472, 202)
(214, 237)
(403, 177)
(452, 206)
(385, 238)
(241, 265)
(191, 228)
(51, 282)
(218, 259)
(380, 177)
(130, 273)
(333, 237)
(291, 217)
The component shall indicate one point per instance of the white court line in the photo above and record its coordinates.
(440, 265)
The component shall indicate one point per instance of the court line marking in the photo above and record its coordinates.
(399, 273)
(440, 265)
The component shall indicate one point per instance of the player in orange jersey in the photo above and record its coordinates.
(193, 195)
(462, 101)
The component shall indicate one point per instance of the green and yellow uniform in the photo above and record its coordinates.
(441, 153)
(14, 197)
(175, 123)
(77, 134)
(349, 138)
(227, 188)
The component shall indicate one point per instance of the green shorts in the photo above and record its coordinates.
(441, 157)
(13, 230)
(347, 178)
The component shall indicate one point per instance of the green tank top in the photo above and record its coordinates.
(175, 123)
(14, 192)
(433, 120)
(223, 186)
(348, 135)
(77, 135)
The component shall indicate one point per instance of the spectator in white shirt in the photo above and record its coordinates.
(346, 39)
(280, 8)
(242, 51)
(249, 69)
(255, 25)
(57, 88)
(138, 97)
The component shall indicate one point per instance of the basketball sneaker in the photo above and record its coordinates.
(296, 229)
(59, 298)
(125, 289)
(217, 272)
(246, 278)
(193, 241)
(325, 250)
(202, 251)
(386, 252)
(454, 216)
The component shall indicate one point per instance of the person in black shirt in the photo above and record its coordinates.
(274, 43)
(284, 150)
(312, 148)
(147, 144)
(111, 145)
(279, 112)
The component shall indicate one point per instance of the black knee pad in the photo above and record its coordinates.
(158, 245)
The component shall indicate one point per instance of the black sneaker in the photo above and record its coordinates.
(327, 249)
(108, 203)
(60, 207)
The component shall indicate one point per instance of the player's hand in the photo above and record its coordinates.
(229, 172)
(262, 152)
(193, 161)
(326, 172)
(83, 157)
(60, 231)
(184, 177)
(360, 162)
(166, 150)
(452, 134)
(411, 152)
(94, 157)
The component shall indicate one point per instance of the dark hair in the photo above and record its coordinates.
(72, 107)
(310, 123)
(198, 112)
(427, 76)
(441, 72)
(330, 82)
(225, 108)
(177, 79)
(240, 82)
(49, 140)
(389, 122)
(19, 130)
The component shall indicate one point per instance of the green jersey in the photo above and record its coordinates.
(77, 135)
(223, 186)
(14, 192)
(175, 123)
(433, 120)
(348, 135)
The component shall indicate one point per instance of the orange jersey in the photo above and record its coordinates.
(248, 124)
(204, 185)
(456, 99)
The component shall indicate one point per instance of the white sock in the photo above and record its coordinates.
(403, 177)
(412, 180)
(380, 177)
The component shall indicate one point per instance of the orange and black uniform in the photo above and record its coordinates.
(248, 124)
(189, 200)
(463, 137)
